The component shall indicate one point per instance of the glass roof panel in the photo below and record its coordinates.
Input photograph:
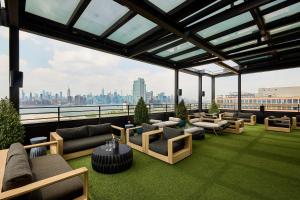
(199, 10)
(238, 2)
(232, 64)
(269, 5)
(284, 12)
(211, 14)
(166, 5)
(177, 49)
(211, 69)
(285, 28)
(135, 27)
(225, 25)
(56, 10)
(240, 45)
(98, 17)
(151, 50)
(188, 55)
(235, 35)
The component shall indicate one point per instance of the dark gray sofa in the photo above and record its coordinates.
(20, 171)
(80, 141)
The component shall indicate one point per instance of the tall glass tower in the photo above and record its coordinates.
(139, 90)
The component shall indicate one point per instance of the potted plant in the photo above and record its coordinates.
(11, 129)
(141, 113)
(214, 108)
(181, 112)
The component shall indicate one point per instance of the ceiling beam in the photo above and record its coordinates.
(265, 50)
(231, 69)
(149, 12)
(82, 5)
(232, 12)
(260, 23)
(153, 41)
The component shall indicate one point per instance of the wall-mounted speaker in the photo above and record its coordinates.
(16, 79)
(203, 93)
(179, 92)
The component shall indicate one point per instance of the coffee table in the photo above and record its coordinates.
(109, 162)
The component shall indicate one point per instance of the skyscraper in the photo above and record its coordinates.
(139, 90)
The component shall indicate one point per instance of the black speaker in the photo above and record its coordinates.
(203, 93)
(262, 108)
(16, 79)
(179, 92)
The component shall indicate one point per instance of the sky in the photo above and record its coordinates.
(54, 66)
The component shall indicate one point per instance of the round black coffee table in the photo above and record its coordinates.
(109, 162)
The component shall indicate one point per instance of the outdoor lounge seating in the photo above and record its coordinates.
(80, 141)
(248, 118)
(282, 124)
(172, 122)
(137, 140)
(215, 125)
(41, 178)
(296, 122)
(173, 146)
(235, 126)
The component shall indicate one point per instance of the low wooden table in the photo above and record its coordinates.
(109, 162)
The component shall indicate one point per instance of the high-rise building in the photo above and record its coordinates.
(139, 90)
(69, 96)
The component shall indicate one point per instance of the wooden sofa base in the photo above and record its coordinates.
(178, 156)
(279, 129)
(78, 154)
(232, 130)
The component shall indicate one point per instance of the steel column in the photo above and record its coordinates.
(14, 64)
(200, 93)
(213, 89)
(176, 88)
(239, 92)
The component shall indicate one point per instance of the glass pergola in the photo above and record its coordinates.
(213, 38)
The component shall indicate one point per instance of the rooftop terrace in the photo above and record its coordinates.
(212, 38)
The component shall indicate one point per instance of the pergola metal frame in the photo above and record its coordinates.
(171, 26)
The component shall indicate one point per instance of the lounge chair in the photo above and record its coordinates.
(136, 140)
(215, 125)
(282, 124)
(172, 122)
(296, 122)
(173, 146)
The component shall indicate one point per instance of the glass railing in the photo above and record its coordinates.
(33, 114)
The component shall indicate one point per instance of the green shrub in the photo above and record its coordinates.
(214, 108)
(181, 111)
(11, 129)
(141, 112)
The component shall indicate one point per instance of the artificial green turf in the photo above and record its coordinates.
(255, 165)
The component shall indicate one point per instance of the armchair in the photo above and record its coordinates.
(296, 122)
(173, 146)
(137, 141)
(282, 124)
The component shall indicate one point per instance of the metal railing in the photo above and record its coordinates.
(40, 114)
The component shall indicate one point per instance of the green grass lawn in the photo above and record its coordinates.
(255, 165)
